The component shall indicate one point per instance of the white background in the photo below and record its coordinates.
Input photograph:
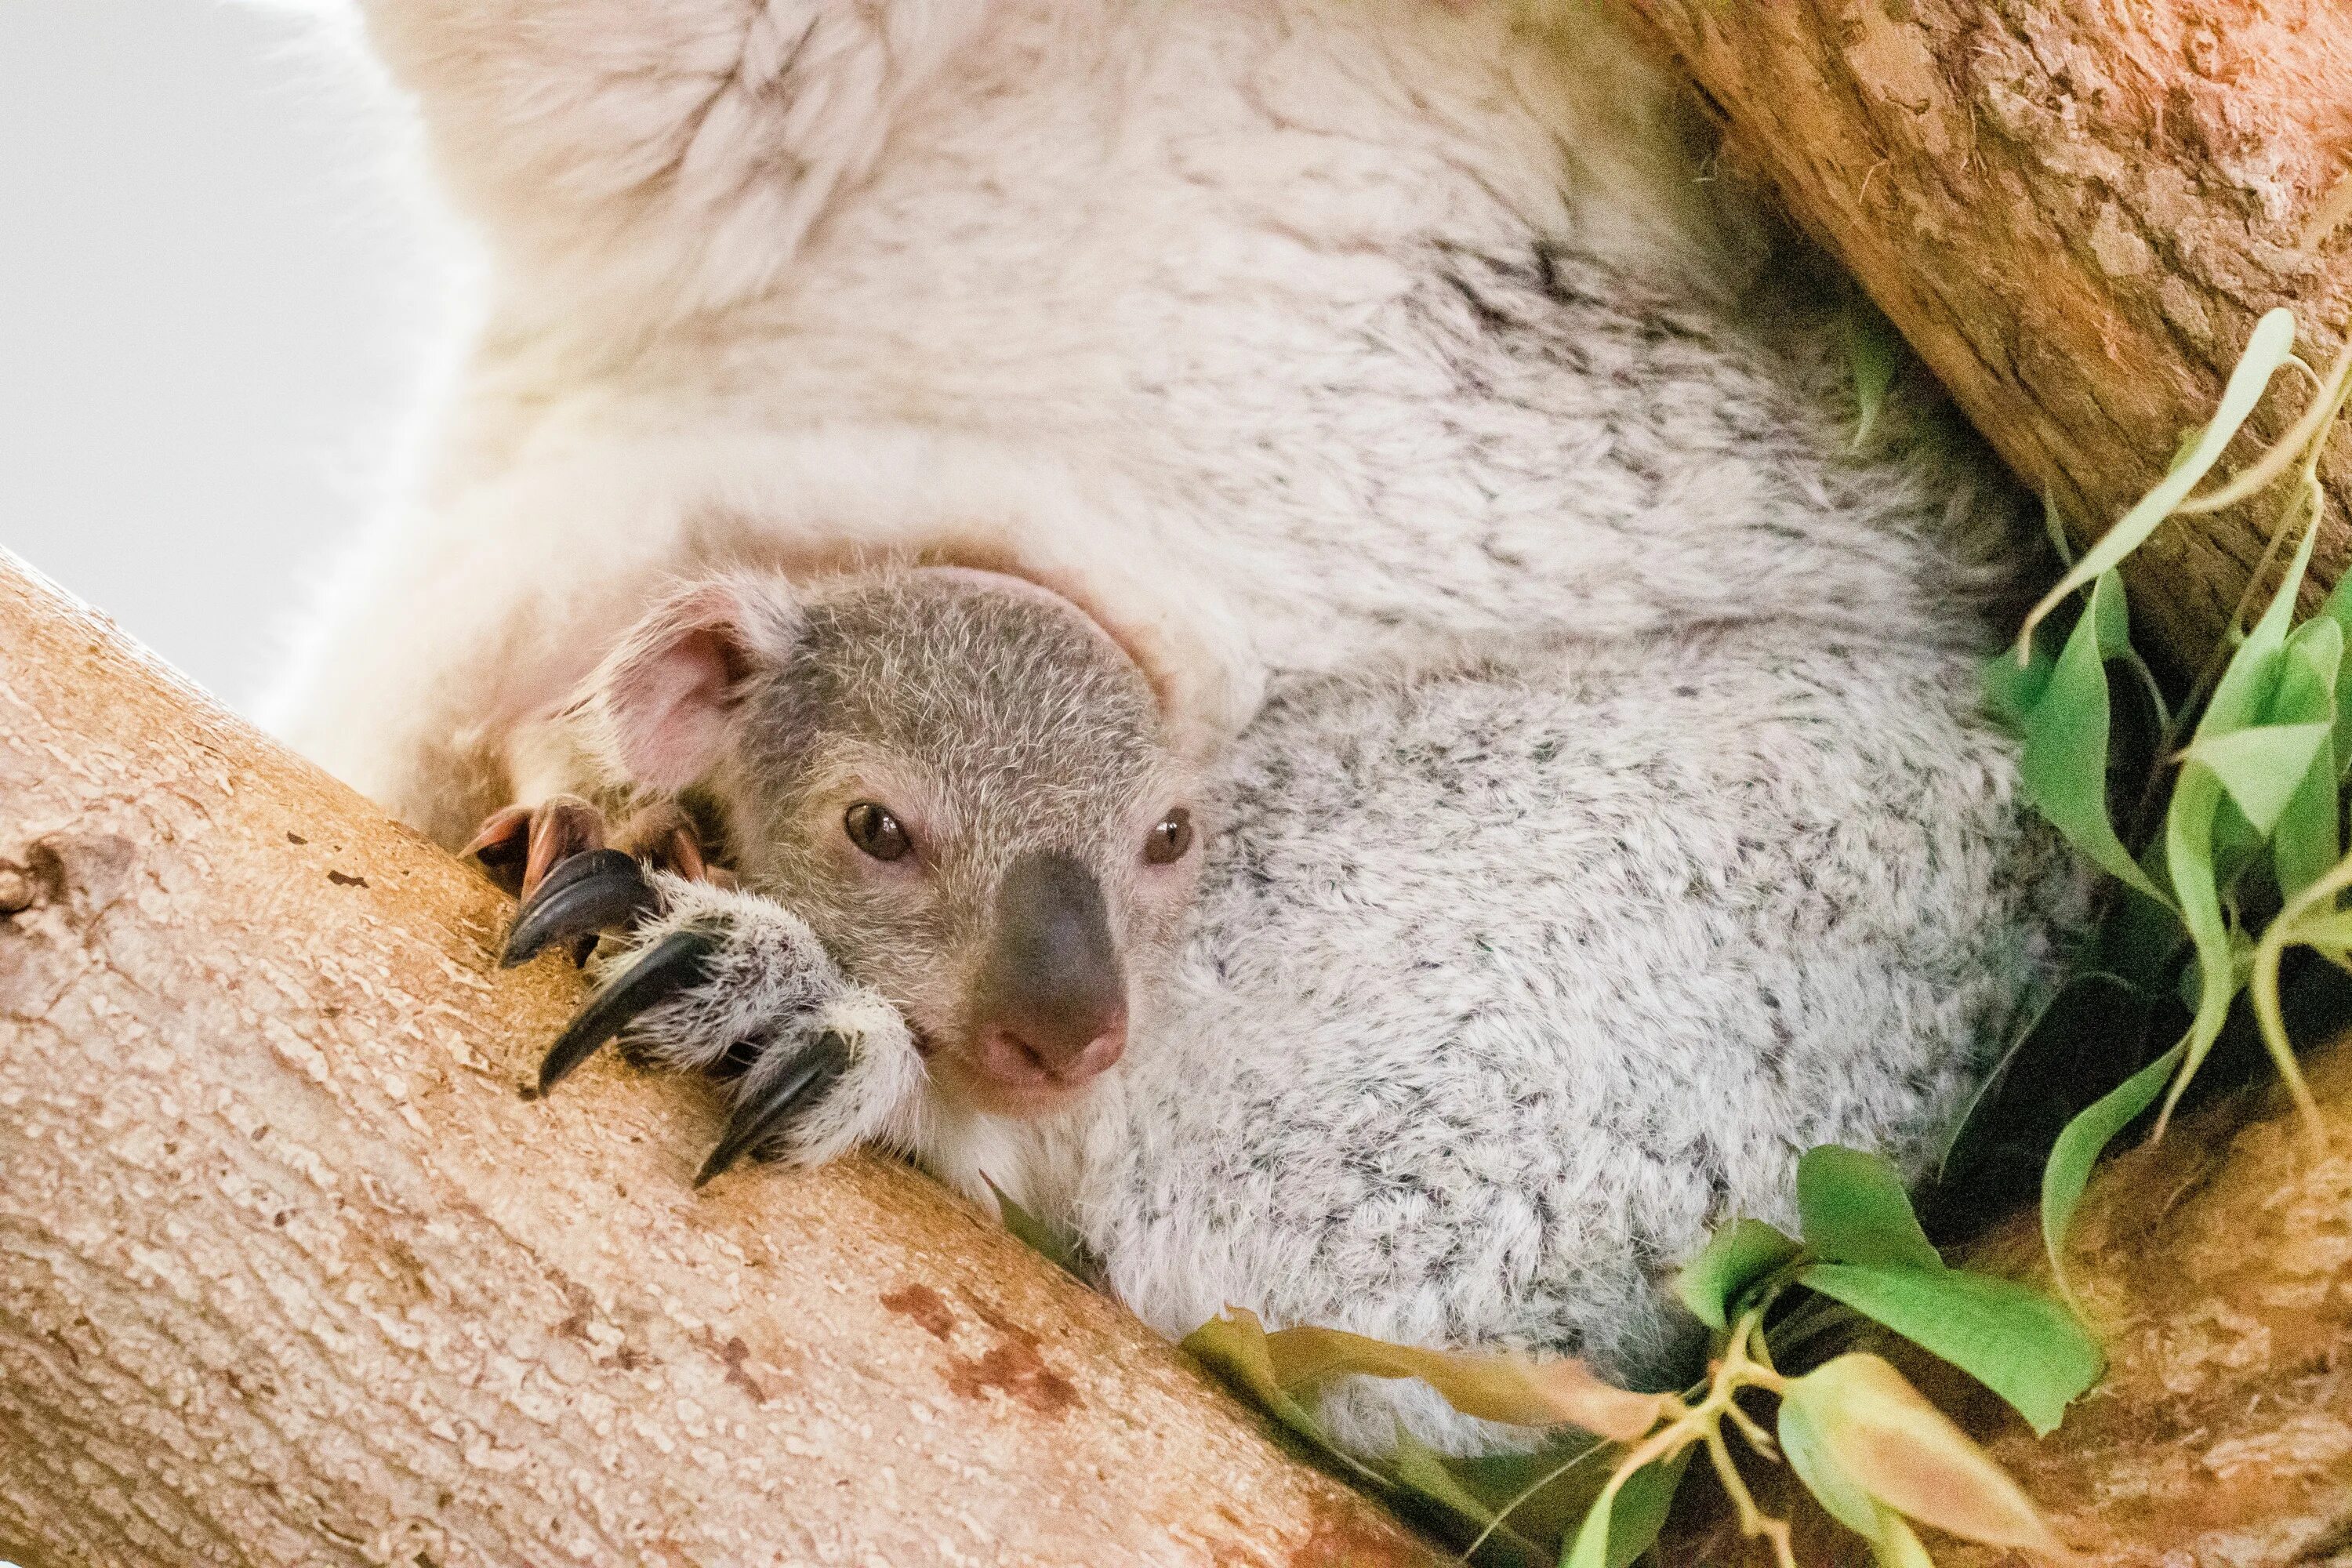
(210, 312)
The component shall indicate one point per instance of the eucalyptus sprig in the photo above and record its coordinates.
(1876, 1453)
(2245, 795)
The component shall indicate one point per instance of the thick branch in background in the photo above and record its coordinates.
(2075, 212)
(2217, 1266)
(290, 1273)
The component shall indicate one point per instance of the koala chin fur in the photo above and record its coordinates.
(1607, 814)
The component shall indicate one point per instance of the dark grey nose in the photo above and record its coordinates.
(1051, 1003)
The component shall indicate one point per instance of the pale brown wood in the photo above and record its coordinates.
(291, 1273)
(2074, 210)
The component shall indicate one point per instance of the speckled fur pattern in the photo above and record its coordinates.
(1607, 817)
(1513, 980)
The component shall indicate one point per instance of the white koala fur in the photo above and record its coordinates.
(1608, 818)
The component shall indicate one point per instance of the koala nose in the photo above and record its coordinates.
(1036, 1060)
(1051, 1003)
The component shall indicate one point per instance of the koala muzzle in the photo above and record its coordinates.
(1050, 1008)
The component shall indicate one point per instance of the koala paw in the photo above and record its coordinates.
(712, 980)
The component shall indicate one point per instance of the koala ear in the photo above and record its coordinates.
(661, 708)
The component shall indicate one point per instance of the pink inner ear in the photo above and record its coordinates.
(670, 705)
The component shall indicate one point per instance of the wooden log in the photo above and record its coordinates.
(291, 1273)
(2074, 210)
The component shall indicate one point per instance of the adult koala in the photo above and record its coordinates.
(1606, 818)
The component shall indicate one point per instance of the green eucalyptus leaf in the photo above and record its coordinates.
(2188, 828)
(1620, 1525)
(2262, 767)
(1589, 1546)
(1734, 1258)
(1872, 349)
(1420, 1470)
(2054, 524)
(2267, 349)
(1642, 1505)
(2337, 610)
(2014, 1340)
(2304, 843)
(1855, 1210)
(2011, 689)
(2250, 678)
(1062, 1247)
(2066, 731)
(2020, 1094)
(2078, 1148)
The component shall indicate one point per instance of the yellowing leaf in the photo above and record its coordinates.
(1896, 1547)
(1806, 1448)
(1906, 1453)
(1493, 1386)
(1235, 1347)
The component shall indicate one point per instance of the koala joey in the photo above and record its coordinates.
(959, 790)
(1505, 982)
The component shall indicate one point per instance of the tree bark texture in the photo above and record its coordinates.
(290, 1272)
(2075, 210)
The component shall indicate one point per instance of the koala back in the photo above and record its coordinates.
(1516, 979)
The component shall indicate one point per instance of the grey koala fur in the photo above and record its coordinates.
(1510, 983)
(1509, 979)
(1606, 813)
(1023, 764)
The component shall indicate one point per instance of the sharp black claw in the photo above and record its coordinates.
(664, 969)
(760, 1115)
(582, 895)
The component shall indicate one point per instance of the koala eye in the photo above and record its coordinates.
(1169, 838)
(873, 829)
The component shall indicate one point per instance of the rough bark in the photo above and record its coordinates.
(291, 1273)
(2074, 210)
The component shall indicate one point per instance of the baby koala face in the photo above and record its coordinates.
(957, 779)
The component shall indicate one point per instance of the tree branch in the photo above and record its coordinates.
(291, 1273)
(2075, 213)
